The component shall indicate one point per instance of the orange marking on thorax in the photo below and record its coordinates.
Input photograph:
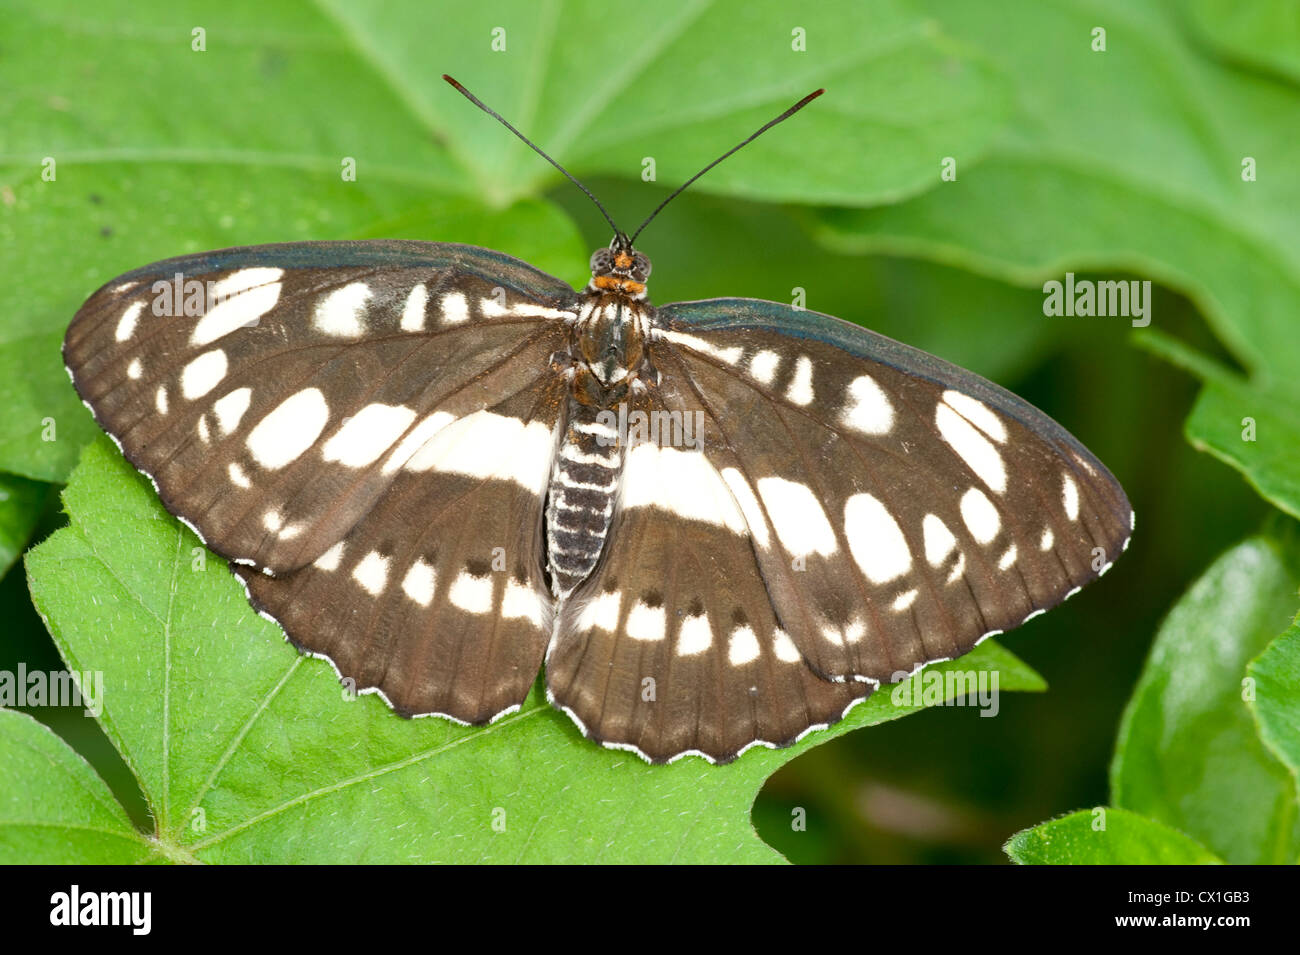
(612, 282)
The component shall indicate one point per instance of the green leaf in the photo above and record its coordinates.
(1253, 428)
(245, 141)
(248, 752)
(1128, 839)
(21, 504)
(1276, 673)
(1188, 753)
(1127, 159)
(1263, 34)
(54, 809)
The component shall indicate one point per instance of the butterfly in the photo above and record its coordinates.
(712, 524)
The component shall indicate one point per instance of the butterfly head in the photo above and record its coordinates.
(619, 268)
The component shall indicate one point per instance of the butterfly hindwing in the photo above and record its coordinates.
(672, 645)
(436, 597)
(902, 508)
(272, 392)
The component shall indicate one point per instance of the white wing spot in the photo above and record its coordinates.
(1007, 559)
(801, 385)
(203, 374)
(522, 601)
(798, 517)
(683, 483)
(230, 408)
(1048, 539)
(868, 410)
(958, 569)
(413, 312)
(977, 413)
(160, 399)
(487, 445)
(419, 581)
(339, 313)
(695, 637)
(289, 430)
(455, 309)
(646, 622)
(749, 508)
(875, 539)
(980, 515)
(330, 559)
(972, 447)
(1070, 497)
(939, 541)
(135, 369)
(905, 600)
(372, 573)
(416, 438)
(367, 434)
(237, 476)
(763, 366)
(743, 647)
(601, 612)
(784, 647)
(472, 594)
(126, 326)
(242, 299)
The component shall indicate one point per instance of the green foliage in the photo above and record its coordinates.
(1201, 764)
(248, 752)
(1067, 158)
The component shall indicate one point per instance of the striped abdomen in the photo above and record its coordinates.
(580, 499)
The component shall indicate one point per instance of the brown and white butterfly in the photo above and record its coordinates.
(714, 524)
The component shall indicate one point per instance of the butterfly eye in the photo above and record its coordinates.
(641, 265)
(601, 261)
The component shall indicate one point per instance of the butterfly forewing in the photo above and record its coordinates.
(273, 392)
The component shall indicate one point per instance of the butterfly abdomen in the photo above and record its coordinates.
(580, 499)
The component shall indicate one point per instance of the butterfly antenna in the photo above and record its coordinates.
(680, 189)
(619, 233)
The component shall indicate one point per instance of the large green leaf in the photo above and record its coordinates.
(160, 149)
(1132, 159)
(248, 752)
(1188, 753)
(1106, 836)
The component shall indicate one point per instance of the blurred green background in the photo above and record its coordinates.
(1115, 163)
